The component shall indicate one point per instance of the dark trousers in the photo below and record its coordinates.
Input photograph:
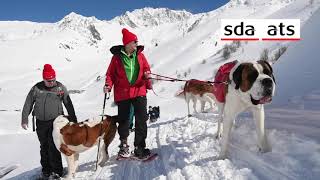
(141, 117)
(50, 156)
(131, 116)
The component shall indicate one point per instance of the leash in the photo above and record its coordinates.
(170, 79)
(159, 77)
(106, 96)
(167, 78)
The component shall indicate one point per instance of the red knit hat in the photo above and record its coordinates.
(128, 36)
(48, 72)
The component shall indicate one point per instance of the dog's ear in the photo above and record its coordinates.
(237, 76)
(266, 63)
(270, 68)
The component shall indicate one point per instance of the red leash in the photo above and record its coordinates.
(166, 78)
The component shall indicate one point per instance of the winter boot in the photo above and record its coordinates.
(54, 176)
(131, 130)
(124, 149)
(141, 153)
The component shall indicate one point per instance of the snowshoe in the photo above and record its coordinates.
(145, 158)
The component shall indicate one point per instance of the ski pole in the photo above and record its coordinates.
(104, 105)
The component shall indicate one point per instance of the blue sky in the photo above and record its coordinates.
(54, 10)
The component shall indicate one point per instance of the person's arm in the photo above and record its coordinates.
(146, 67)
(110, 74)
(69, 106)
(27, 108)
(146, 71)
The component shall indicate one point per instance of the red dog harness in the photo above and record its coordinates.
(222, 76)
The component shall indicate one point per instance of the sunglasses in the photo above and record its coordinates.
(51, 81)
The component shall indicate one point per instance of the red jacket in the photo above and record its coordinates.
(116, 76)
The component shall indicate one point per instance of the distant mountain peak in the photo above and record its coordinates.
(148, 17)
(73, 15)
(74, 20)
(83, 25)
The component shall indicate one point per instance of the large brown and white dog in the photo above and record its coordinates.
(252, 84)
(73, 138)
(197, 90)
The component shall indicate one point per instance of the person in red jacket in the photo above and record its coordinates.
(128, 73)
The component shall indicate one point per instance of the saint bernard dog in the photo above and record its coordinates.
(197, 90)
(251, 85)
(73, 138)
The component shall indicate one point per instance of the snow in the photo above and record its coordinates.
(186, 49)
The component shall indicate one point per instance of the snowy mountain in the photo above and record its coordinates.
(180, 45)
(83, 25)
(75, 21)
(148, 17)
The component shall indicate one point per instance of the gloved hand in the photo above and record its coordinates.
(106, 88)
(24, 126)
(147, 75)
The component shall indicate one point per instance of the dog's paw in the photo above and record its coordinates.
(218, 136)
(265, 146)
(69, 176)
(265, 149)
(222, 157)
(104, 161)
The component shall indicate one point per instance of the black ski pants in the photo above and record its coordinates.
(50, 156)
(140, 112)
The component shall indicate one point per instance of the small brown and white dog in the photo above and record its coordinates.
(252, 84)
(197, 90)
(73, 138)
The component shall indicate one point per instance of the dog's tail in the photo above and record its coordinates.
(182, 92)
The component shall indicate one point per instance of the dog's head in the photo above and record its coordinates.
(60, 122)
(156, 108)
(255, 80)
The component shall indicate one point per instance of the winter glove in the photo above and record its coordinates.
(106, 89)
(24, 126)
(146, 75)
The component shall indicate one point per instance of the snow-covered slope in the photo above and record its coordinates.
(177, 44)
(296, 104)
